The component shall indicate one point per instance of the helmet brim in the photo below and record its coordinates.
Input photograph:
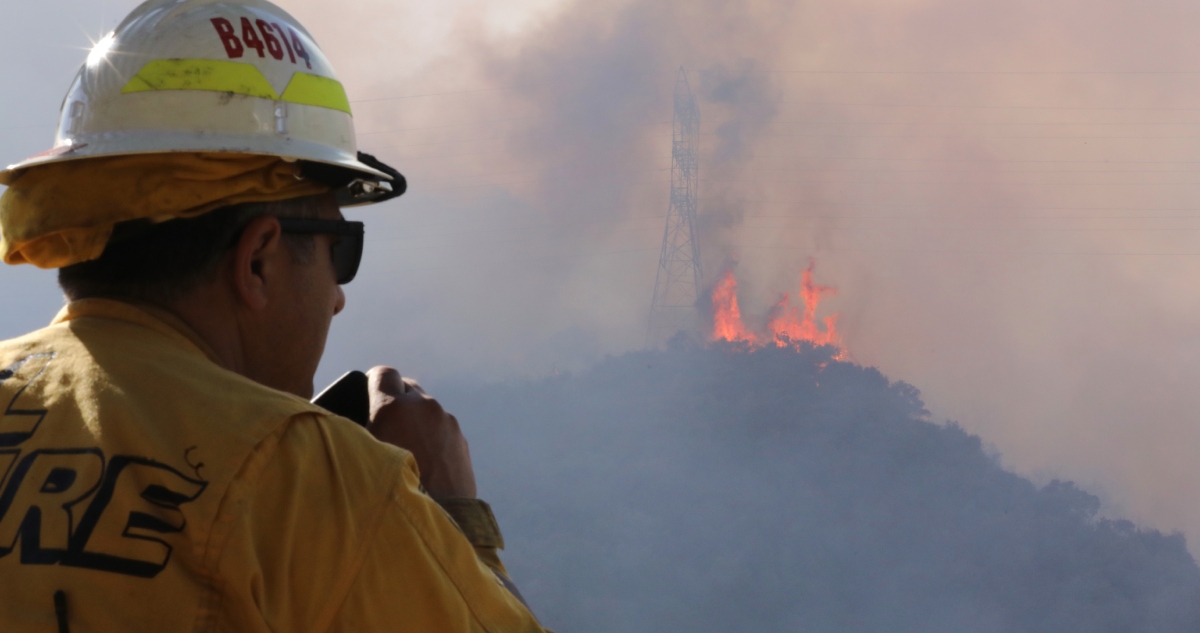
(125, 144)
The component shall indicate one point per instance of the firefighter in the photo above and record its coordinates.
(161, 466)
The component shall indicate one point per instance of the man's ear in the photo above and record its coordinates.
(256, 261)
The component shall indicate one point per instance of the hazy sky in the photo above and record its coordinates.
(1005, 194)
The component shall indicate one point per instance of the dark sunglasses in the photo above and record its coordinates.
(346, 250)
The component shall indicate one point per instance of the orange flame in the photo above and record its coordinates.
(788, 325)
(727, 317)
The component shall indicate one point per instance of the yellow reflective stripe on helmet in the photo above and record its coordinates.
(201, 74)
(315, 90)
(239, 78)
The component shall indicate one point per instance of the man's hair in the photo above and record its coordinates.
(161, 262)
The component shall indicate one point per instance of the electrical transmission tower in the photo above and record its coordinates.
(679, 281)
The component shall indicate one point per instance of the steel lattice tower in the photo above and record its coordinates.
(679, 281)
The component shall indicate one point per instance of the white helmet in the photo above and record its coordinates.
(224, 76)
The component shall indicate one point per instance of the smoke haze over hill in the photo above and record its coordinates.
(720, 490)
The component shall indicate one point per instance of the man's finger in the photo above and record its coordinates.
(413, 385)
(385, 380)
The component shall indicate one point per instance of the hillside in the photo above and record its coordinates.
(714, 489)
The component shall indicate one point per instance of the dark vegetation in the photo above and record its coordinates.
(711, 489)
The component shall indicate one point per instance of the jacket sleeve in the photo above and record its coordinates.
(421, 574)
(332, 533)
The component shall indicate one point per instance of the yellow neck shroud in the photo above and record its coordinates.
(63, 213)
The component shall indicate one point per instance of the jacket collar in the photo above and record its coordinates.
(143, 314)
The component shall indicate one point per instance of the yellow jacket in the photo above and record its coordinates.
(160, 492)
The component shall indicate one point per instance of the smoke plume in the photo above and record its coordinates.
(1003, 193)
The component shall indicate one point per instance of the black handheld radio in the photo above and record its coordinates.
(347, 397)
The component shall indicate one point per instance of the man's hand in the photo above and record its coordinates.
(403, 415)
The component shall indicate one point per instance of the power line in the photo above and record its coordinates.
(435, 127)
(837, 170)
(421, 236)
(980, 228)
(984, 160)
(954, 137)
(1006, 253)
(625, 166)
(999, 123)
(570, 181)
(964, 106)
(563, 183)
(1026, 183)
(423, 233)
(962, 137)
(809, 72)
(977, 210)
(557, 257)
(591, 169)
(425, 237)
(980, 72)
(427, 94)
(835, 157)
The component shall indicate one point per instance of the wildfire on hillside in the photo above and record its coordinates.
(787, 324)
(727, 317)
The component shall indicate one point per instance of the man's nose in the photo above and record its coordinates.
(340, 302)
